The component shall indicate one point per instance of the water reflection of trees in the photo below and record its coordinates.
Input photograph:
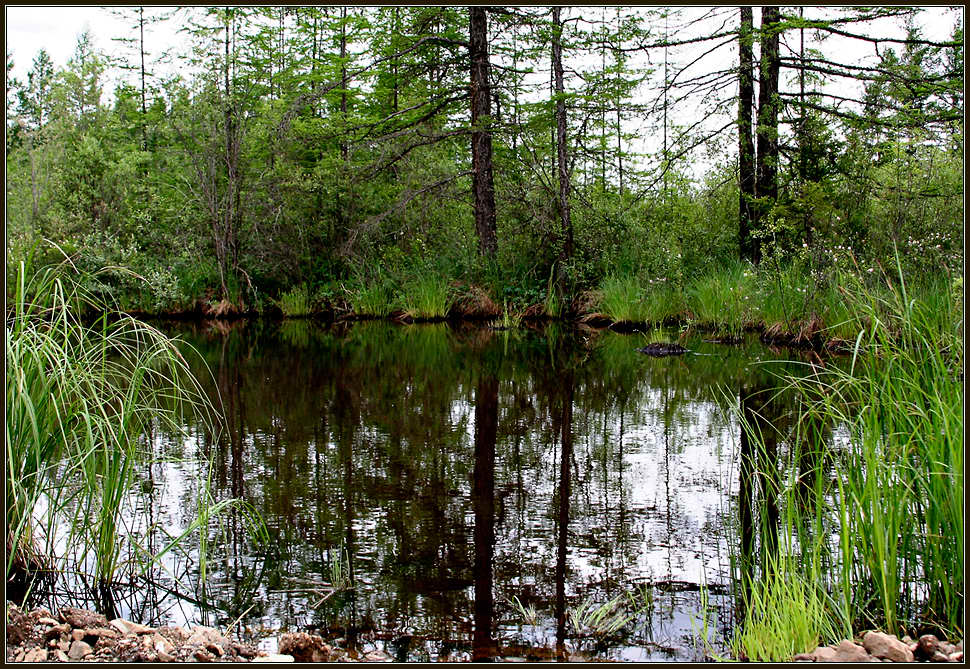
(375, 440)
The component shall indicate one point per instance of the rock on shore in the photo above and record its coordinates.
(77, 635)
(880, 647)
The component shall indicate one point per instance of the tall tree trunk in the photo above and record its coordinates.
(766, 187)
(619, 104)
(343, 80)
(566, 227)
(746, 164)
(395, 29)
(482, 181)
(141, 49)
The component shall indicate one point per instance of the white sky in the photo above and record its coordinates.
(56, 29)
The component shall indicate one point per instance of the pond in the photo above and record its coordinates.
(455, 492)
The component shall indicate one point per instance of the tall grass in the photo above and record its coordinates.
(295, 302)
(428, 297)
(371, 300)
(83, 385)
(725, 299)
(785, 613)
(881, 529)
(622, 298)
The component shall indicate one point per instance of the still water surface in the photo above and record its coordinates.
(474, 486)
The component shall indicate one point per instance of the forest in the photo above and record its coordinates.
(637, 165)
(770, 199)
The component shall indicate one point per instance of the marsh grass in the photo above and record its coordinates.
(295, 303)
(372, 300)
(621, 298)
(83, 387)
(428, 297)
(785, 614)
(877, 539)
(724, 300)
(588, 618)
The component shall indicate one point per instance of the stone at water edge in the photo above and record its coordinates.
(848, 651)
(82, 618)
(79, 649)
(824, 654)
(926, 646)
(274, 658)
(36, 655)
(887, 647)
(128, 627)
(304, 647)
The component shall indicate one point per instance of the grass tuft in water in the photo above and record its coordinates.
(881, 528)
(83, 387)
(428, 297)
(295, 302)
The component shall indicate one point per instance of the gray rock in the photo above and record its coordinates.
(47, 621)
(803, 657)
(79, 649)
(956, 657)
(61, 656)
(847, 651)
(887, 647)
(939, 657)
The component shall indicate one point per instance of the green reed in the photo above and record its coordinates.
(880, 527)
(83, 387)
(427, 297)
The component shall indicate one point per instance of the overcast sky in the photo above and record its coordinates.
(56, 29)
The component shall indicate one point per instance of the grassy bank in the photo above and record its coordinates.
(869, 527)
(82, 396)
(791, 305)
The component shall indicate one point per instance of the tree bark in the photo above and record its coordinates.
(766, 187)
(746, 164)
(141, 50)
(481, 137)
(566, 228)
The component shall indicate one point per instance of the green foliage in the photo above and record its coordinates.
(600, 620)
(786, 613)
(295, 302)
(427, 297)
(882, 531)
(80, 396)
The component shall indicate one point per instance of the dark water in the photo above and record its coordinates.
(474, 486)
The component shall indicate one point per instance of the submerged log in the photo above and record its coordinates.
(660, 349)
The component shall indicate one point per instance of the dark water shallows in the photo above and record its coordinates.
(473, 485)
